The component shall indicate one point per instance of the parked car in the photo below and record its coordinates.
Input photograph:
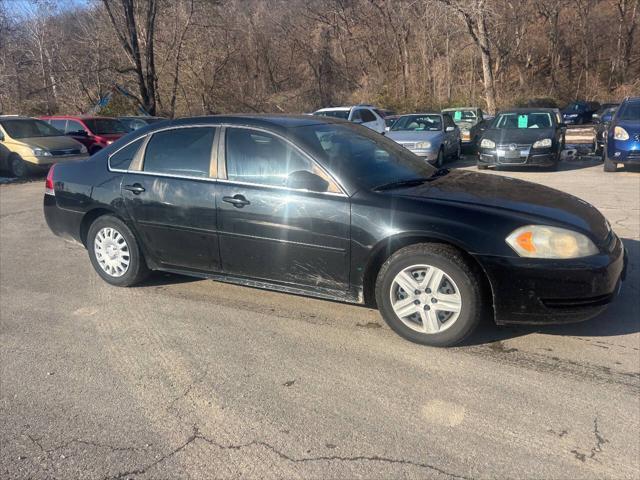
(135, 122)
(364, 115)
(389, 120)
(30, 145)
(433, 136)
(601, 120)
(522, 137)
(467, 119)
(622, 144)
(578, 113)
(95, 133)
(321, 207)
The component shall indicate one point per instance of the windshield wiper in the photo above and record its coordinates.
(410, 182)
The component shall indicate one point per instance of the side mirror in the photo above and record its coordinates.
(449, 129)
(305, 180)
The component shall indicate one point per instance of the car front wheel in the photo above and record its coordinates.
(114, 252)
(18, 166)
(609, 165)
(429, 294)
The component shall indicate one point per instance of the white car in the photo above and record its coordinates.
(365, 115)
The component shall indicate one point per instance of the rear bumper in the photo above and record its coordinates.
(554, 291)
(62, 222)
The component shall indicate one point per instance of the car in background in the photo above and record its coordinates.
(601, 120)
(95, 133)
(467, 119)
(522, 137)
(29, 145)
(432, 136)
(135, 122)
(325, 208)
(364, 115)
(622, 143)
(579, 112)
(389, 120)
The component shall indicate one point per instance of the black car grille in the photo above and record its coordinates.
(68, 151)
(634, 155)
(571, 303)
(518, 146)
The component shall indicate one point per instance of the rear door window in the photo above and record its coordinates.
(185, 152)
(59, 124)
(123, 157)
(74, 127)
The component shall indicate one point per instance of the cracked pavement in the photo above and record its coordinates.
(184, 378)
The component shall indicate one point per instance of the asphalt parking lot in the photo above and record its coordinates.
(183, 378)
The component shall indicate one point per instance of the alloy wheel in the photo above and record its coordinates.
(425, 299)
(112, 252)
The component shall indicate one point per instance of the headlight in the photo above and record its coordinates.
(423, 145)
(41, 152)
(544, 143)
(541, 241)
(486, 143)
(620, 133)
(83, 149)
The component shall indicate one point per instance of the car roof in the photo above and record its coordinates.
(278, 121)
(421, 113)
(527, 110)
(16, 117)
(335, 109)
(451, 109)
(75, 117)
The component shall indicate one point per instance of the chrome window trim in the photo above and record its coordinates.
(220, 154)
(223, 143)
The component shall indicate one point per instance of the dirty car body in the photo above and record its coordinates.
(326, 233)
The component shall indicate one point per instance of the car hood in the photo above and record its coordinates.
(506, 193)
(412, 136)
(518, 135)
(51, 143)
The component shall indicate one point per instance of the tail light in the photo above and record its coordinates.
(48, 184)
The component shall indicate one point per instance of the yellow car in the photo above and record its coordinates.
(30, 145)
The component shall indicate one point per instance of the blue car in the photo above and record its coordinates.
(623, 136)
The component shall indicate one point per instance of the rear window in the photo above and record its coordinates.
(344, 114)
(524, 120)
(105, 126)
(181, 151)
(630, 111)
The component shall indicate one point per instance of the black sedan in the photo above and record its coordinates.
(522, 137)
(325, 208)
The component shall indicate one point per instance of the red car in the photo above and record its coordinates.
(93, 132)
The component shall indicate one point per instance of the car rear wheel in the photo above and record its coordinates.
(429, 294)
(609, 165)
(18, 166)
(482, 167)
(114, 252)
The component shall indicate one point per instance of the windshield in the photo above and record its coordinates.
(524, 120)
(575, 107)
(418, 123)
(362, 155)
(344, 114)
(630, 111)
(105, 126)
(27, 128)
(463, 116)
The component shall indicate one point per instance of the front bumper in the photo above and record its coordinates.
(522, 157)
(535, 291)
(426, 154)
(624, 151)
(46, 162)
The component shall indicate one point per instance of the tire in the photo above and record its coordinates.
(458, 152)
(440, 159)
(448, 328)
(609, 165)
(18, 167)
(482, 167)
(106, 266)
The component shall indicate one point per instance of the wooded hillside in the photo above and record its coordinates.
(191, 57)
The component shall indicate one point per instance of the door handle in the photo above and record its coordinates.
(136, 188)
(237, 200)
